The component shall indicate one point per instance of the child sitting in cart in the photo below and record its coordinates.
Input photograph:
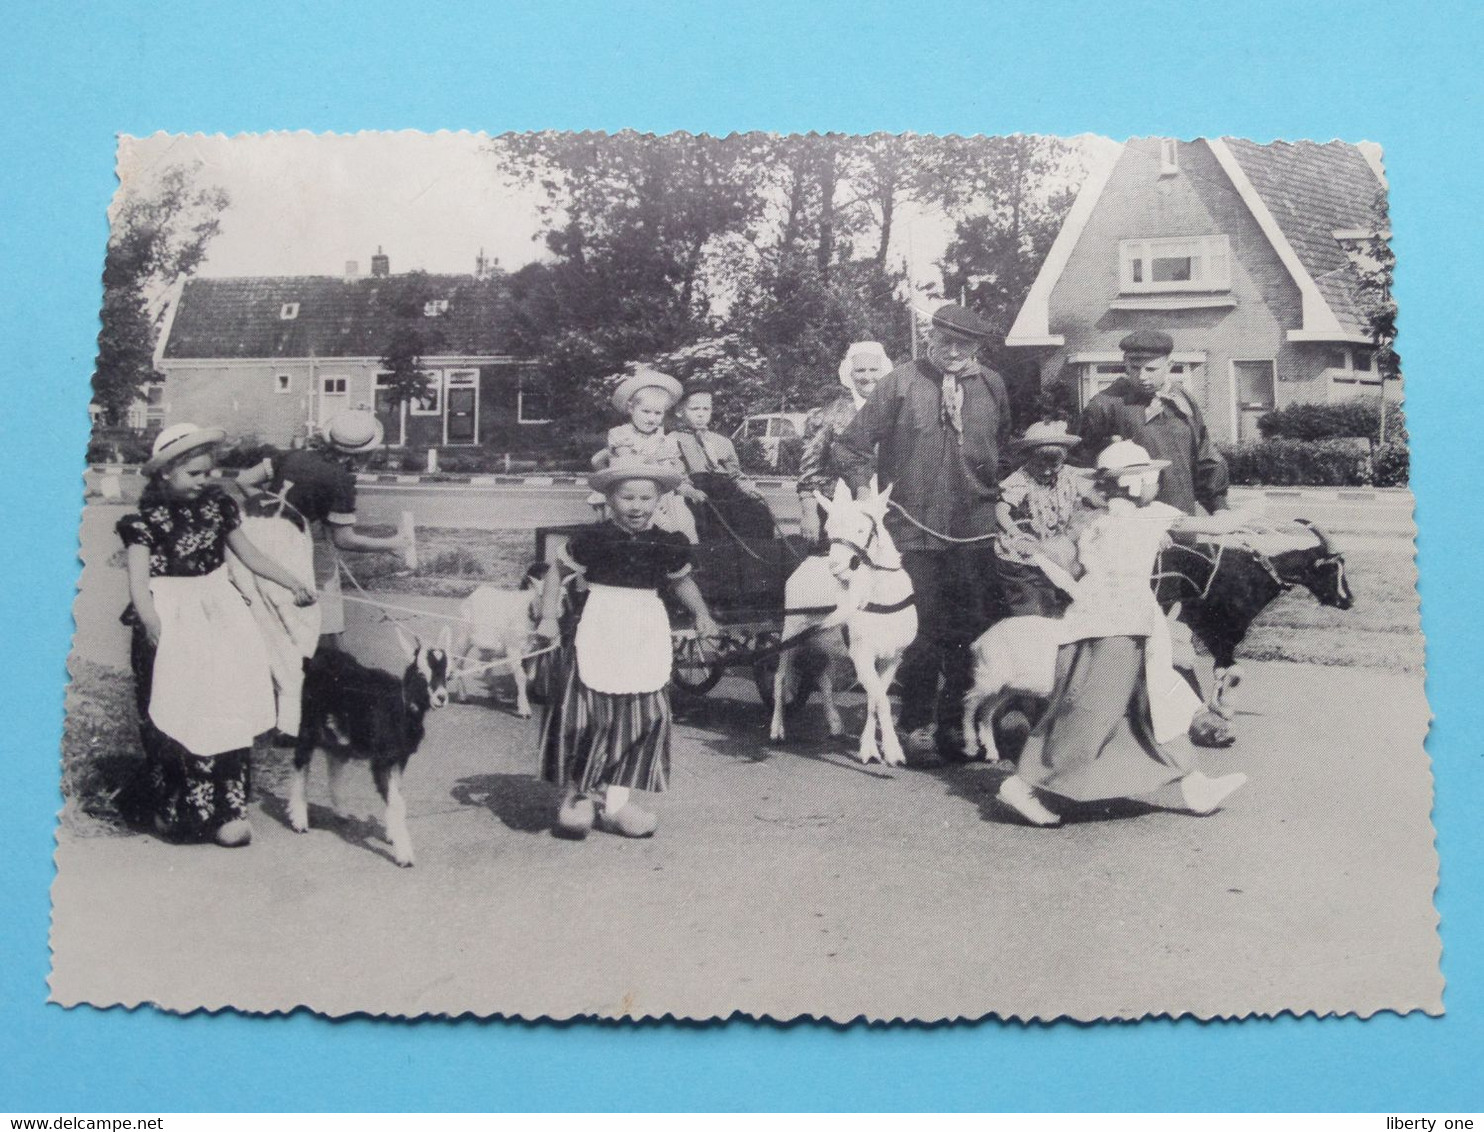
(1042, 508)
(710, 463)
(645, 396)
(607, 729)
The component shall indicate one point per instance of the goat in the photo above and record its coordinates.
(873, 601)
(351, 711)
(1221, 595)
(496, 624)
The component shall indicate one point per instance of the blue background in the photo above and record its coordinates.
(73, 74)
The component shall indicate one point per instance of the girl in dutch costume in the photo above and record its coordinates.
(607, 727)
(1119, 713)
(201, 672)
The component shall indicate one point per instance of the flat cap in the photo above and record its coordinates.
(1155, 343)
(961, 320)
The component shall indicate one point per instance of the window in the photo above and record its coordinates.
(430, 403)
(282, 383)
(1097, 376)
(783, 427)
(533, 404)
(1169, 157)
(333, 386)
(434, 307)
(288, 312)
(1197, 263)
(1351, 368)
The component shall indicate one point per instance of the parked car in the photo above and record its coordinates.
(770, 428)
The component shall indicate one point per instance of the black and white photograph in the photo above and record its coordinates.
(616, 575)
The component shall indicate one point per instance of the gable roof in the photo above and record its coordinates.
(1300, 194)
(1312, 191)
(337, 318)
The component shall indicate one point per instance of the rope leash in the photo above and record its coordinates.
(925, 529)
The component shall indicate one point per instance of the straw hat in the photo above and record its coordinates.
(177, 440)
(1124, 456)
(1048, 434)
(355, 430)
(633, 468)
(644, 378)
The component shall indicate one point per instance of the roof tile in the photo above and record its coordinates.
(338, 318)
(1313, 190)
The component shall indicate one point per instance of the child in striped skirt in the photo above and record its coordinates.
(608, 723)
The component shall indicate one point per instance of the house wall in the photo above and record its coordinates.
(245, 399)
(1198, 200)
(242, 397)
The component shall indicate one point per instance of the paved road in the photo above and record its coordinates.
(789, 880)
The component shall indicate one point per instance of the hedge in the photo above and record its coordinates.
(1321, 420)
(1349, 462)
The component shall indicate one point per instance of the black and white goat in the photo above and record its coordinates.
(370, 715)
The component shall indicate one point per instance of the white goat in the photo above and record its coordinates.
(1016, 656)
(497, 624)
(871, 595)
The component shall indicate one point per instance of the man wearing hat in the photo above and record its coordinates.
(934, 429)
(315, 490)
(1149, 407)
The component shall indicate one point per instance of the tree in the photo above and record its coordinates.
(403, 379)
(1008, 197)
(159, 235)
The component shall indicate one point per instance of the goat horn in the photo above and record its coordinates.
(1325, 544)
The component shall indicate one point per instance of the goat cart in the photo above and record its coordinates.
(742, 564)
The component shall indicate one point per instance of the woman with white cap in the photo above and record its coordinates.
(1117, 723)
(201, 675)
(864, 364)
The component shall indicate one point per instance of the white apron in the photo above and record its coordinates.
(211, 690)
(623, 641)
(290, 632)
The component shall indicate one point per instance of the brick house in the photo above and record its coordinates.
(274, 356)
(1246, 254)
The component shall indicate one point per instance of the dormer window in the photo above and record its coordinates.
(1186, 263)
(1169, 157)
(434, 307)
(288, 312)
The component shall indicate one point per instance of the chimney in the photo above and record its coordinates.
(352, 269)
(381, 266)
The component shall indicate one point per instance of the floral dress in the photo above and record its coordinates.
(1052, 514)
(204, 691)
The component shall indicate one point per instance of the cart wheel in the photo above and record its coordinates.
(693, 674)
(764, 671)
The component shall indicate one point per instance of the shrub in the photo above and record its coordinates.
(114, 445)
(753, 456)
(247, 452)
(1320, 420)
(1309, 463)
(1392, 465)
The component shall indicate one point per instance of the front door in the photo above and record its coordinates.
(334, 397)
(462, 398)
(1253, 387)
